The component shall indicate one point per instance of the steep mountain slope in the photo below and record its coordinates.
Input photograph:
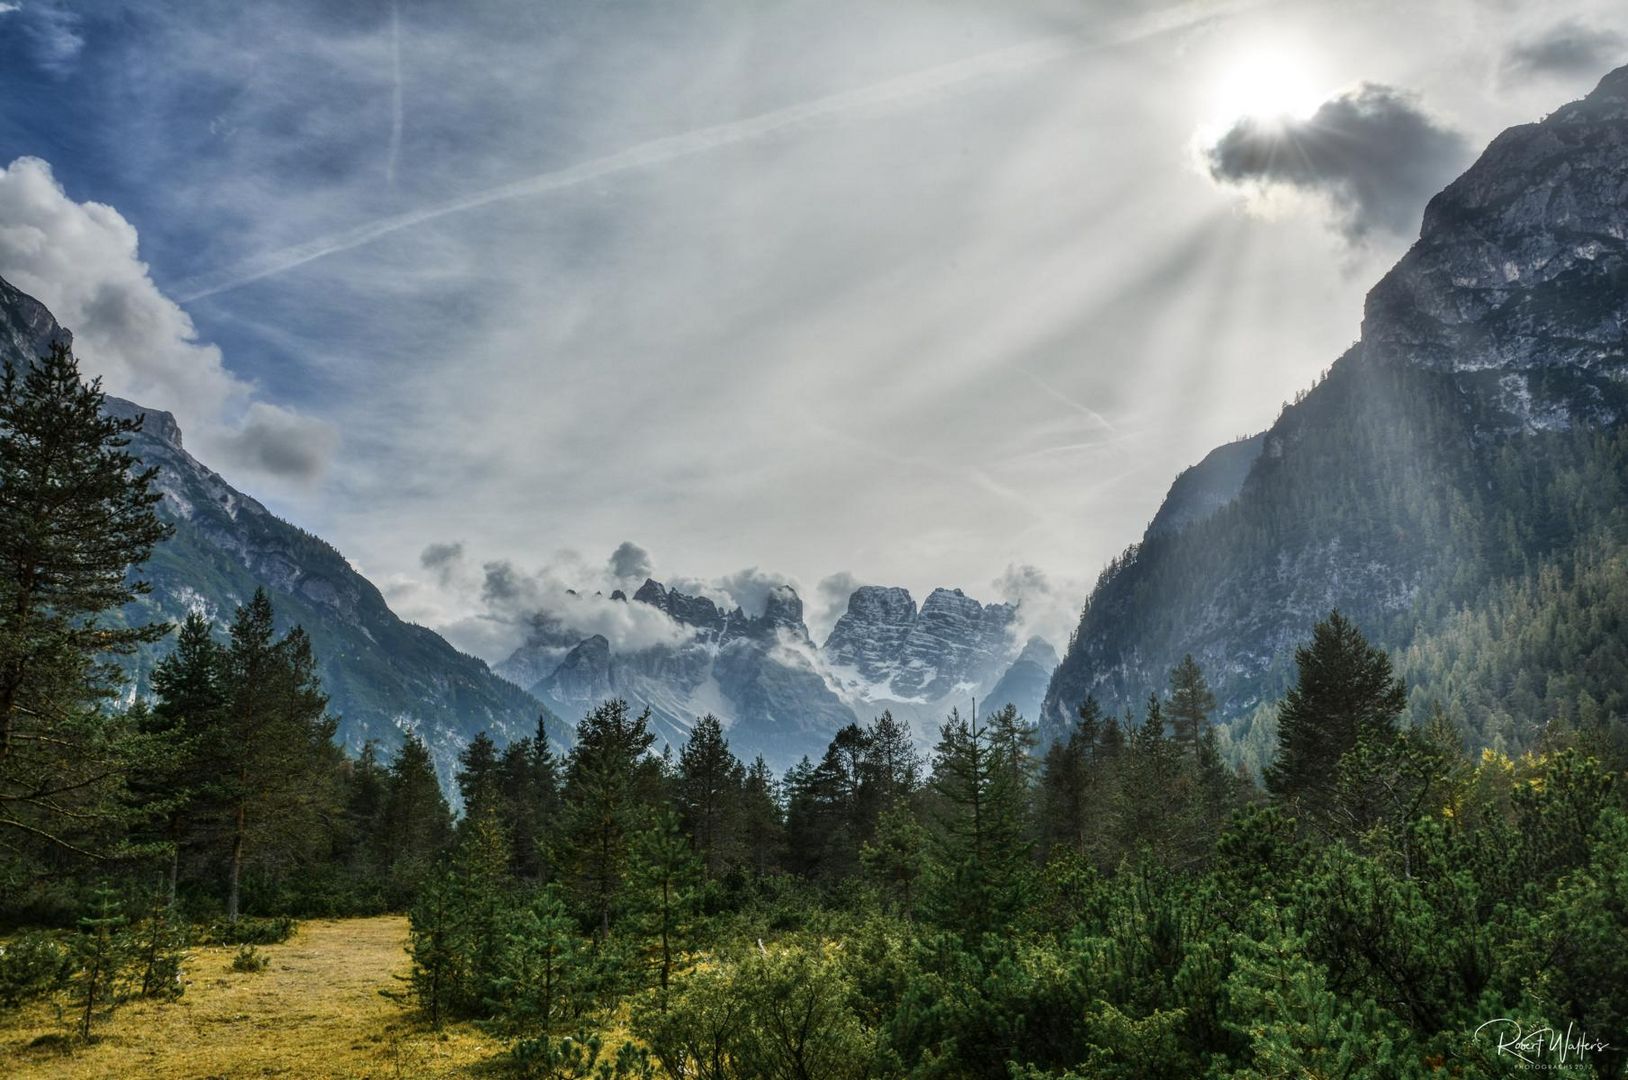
(1023, 686)
(1470, 447)
(383, 676)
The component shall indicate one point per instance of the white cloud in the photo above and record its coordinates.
(828, 603)
(81, 260)
(1046, 608)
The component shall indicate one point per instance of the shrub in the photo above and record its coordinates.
(252, 931)
(34, 964)
(250, 960)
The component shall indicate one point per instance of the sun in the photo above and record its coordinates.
(1266, 83)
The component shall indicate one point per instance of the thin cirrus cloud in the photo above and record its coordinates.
(1372, 154)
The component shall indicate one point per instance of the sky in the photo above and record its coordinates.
(514, 301)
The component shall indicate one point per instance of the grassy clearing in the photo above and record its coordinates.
(316, 1011)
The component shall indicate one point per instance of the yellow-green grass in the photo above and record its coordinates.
(315, 1012)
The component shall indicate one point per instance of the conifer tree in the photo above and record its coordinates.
(889, 771)
(433, 942)
(529, 789)
(895, 859)
(190, 686)
(415, 821)
(480, 778)
(1344, 690)
(762, 819)
(1190, 706)
(979, 827)
(276, 746)
(608, 782)
(102, 949)
(76, 514)
(538, 971)
(665, 873)
(709, 791)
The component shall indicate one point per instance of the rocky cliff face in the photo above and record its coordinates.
(383, 676)
(1446, 456)
(883, 649)
(1518, 278)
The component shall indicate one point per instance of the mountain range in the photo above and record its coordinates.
(777, 692)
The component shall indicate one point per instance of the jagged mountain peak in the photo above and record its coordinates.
(1516, 279)
(884, 648)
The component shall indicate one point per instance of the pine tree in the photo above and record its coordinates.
(480, 779)
(539, 968)
(76, 514)
(608, 782)
(665, 874)
(895, 860)
(276, 746)
(763, 826)
(1190, 705)
(189, 684)
(529, 787)
(979, 828)
(483, 896)
(415, 821)
(1344, 690)
(102, 949)
(709, 790)
(433, 942)
(889, 771)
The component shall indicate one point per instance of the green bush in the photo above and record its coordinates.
(33, 965)
(251, 931)
(250, 960)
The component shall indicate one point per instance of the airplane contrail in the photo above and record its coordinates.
(927, 85)
(395, 96)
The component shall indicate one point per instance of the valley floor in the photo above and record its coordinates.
(315, 1012)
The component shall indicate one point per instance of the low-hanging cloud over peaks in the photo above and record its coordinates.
(80, 259)
(1372, 155)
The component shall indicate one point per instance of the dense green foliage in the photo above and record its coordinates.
(75, 514)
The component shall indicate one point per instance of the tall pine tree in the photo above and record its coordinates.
(76, 513)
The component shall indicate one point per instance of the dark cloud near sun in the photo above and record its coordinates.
(1372, 153)
(1569, 47)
